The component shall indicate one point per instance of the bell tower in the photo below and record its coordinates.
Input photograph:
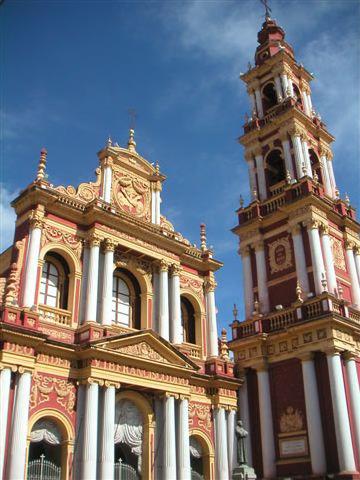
(298, 346)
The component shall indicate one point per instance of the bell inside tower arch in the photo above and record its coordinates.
(275, 167)
(269, 97)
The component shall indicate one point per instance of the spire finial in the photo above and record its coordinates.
(241, 201)
(109, 141)
(235, 313)
(267, 9)
(42, 165)
(203, 237)
(299, 292)
(131, 141)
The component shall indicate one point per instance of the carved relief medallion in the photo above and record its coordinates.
(291, 421)
(338, 253)
(280, 255)
(132, 195)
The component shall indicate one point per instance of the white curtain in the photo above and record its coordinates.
(195, 448)
(129, 427)
(47, 431)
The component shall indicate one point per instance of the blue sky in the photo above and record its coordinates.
(72, 69)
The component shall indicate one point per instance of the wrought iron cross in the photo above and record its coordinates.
(267, 8)
(132, 117)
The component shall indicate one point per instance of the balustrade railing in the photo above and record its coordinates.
(54, 315)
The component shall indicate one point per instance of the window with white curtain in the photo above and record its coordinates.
(120, 301)
(49, 286)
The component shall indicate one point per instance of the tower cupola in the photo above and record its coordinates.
(271, 41)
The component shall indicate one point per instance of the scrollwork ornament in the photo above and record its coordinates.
(36, 219)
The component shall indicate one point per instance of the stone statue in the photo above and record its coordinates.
(241, 434)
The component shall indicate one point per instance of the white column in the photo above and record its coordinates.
(159, 438)
(300, 260)
(285, 83)
(79, 429)
(163, 301)
(307, 158)
(266, 425)
(156, 294)
(176, 332)
(92, 281)
(212, 335)
(252, 178)
(291, 87)
(89, 446)
(107, 180)
(245, 417)
(84, 282)
(327, 182)
(221, 448)
(308, 94)
(299, 156)
(32, 259)
(305, 103)
(331, 175)
(231, 439)
(183, 444)
(107, 435)
(5, 378)
(19, 428)
(340, 412)
(354, 390)
(313, 415)
(248, 281)
(107, 286)
(169, 469)
(357, 260)
(278, 88)
(355, 288)
(328, 260)
(259, 106)
(316, 256)
(262, 277)
(157, 207)
(287, 156)
(153, 206)
(252, 102)
(261, 176)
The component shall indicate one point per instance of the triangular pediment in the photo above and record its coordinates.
(147, 346)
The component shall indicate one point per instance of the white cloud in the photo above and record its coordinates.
(7, 218)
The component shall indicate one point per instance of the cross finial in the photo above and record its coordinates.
(132, 118)
(267, 8)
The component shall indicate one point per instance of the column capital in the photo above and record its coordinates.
(93, 240)
(108, 162)
(167, 395)
(244, 250)
(91, 381)
(311, 224)
(349, 245)
(294, 229)
(305, 356)
(184, 397)
(357, 249)
(36, 219)
(110, 383)
(324, 229)
(296, 131)
(163, 265)
(109, 245)
(175, 269)
(348, 356)
(249, 157)
(259, 246)
(210, 285)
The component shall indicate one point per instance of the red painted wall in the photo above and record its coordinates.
(254, 413)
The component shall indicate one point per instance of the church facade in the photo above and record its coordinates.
(298, 347)
(108, 324)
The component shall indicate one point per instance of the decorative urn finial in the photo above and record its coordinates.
(131, 141)
(42, 165)
(203, 237)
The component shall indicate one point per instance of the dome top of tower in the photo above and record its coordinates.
(271, 41)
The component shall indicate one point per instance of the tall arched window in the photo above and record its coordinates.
(188, 321)
(315, 165)
(54, 282)
(298, 98)
(269, 97)
(275, 168)
(120, 301)
(126, 301)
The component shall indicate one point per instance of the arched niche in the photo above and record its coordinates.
(196, 306)
(316, 165)
(207, 451)
(274, 167)
(146, 411)
(64, 442)
(269, 97)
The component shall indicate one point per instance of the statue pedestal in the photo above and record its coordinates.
(243, 472)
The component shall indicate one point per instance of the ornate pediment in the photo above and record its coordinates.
(147, 346)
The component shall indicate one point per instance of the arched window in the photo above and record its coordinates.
(45, 450)
(120, 301)
(54, 282)
(188, 321)
(275, 168)
(126, 303)
(269, 97)
(315, 165)
(297, 96)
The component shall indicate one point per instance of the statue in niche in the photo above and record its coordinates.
(241, 434)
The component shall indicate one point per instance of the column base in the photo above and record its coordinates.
(244, 473)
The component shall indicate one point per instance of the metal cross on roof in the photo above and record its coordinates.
(132, 117)
(267, 8)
